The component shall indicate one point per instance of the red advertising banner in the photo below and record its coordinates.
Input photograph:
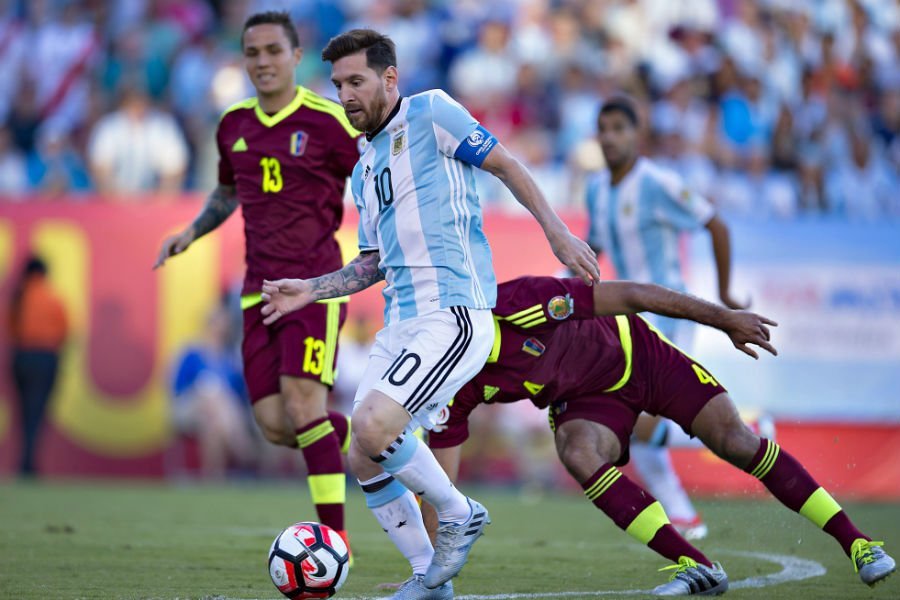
(110, 411)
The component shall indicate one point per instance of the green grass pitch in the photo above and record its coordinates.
(117, 540)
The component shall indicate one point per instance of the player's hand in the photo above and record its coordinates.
(745, 327)
(729, 301)
(577, 256)
(284, 296)
(174, 244)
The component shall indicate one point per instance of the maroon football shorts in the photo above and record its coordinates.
(664, 381)
(299, 344)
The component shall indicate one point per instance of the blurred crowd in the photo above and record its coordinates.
(771, 108)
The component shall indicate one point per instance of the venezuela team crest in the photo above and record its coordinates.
(298, 143)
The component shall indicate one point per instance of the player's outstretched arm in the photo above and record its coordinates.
(287, 295)
(219, 206)
(627, 297)
(569, 249)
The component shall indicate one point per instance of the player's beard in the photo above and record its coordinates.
(376, 111)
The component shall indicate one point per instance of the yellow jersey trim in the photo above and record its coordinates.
(495, 349)
(284, 113)
(248, 103)
(625, 340)
(317, 102)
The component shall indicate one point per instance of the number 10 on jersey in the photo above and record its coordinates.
(384, 189)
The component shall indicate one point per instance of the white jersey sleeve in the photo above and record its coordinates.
(458, 133)
(680, 206)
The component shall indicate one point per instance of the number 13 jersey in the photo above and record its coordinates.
(289, 170)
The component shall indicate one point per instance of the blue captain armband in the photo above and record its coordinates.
(475, 148)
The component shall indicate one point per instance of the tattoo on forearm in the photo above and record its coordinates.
(357, 275)
(219, 206)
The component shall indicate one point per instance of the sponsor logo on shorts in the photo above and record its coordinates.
(561, 307)
(432, 406)
(440, 421)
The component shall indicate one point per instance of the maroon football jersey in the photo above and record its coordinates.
(289, 170)
(551, 347)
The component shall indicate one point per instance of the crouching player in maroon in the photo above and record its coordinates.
(284, 156)
(558, 344)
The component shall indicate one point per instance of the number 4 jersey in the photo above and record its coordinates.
(289, 170)
(415, 192)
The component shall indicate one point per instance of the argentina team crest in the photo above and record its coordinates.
(398, 143)
(561, 307)
(298, 143)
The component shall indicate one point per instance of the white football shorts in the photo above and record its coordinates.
(423, 361)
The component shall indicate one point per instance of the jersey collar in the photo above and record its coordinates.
(371, 135)
(281, 115)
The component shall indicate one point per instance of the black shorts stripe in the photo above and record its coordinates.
(467, 323)
(438, 375)
(445, 359)
(464, 321)
(442, 369)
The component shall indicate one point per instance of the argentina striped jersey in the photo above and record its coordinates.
(418, 207)
(638, 221)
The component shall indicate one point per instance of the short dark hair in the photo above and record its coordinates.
(273, 17)
(34, 265)
(621, 104)
(380, 50)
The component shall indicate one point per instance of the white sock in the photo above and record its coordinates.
(401, 519)
(654, 465)
(413, 465)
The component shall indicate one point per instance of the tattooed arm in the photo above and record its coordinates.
(287, 295)
(219, 206)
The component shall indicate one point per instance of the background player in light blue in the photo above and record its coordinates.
(637, 211)
(420, 230)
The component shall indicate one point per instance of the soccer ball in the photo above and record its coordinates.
(308, 560)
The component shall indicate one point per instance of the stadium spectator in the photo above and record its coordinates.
(55, 167)
(38, 328)
(63, 48)
(735, 65)
(137, 149)
(208, 398)
(861, 187)
(13, 170)
(12, 51)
